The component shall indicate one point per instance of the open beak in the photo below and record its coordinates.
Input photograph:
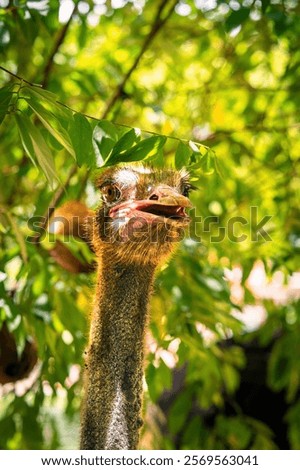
(165, 202)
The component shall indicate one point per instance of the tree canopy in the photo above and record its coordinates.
(209, 85)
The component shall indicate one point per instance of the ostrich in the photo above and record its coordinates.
(142, 215)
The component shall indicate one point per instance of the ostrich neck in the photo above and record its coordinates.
(111, 413)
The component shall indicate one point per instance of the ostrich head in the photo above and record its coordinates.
(143, 213)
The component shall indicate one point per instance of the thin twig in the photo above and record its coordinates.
(145, 131)
(181, 139)
(18, 77)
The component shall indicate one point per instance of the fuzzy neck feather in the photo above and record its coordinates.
(113, 392)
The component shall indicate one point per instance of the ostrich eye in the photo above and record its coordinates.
(186, 190)
(110, 193)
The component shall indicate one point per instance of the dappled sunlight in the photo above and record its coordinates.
(278, 288)
(212, 87)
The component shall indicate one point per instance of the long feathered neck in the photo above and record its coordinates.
(113, 392)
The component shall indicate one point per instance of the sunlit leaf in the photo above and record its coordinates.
(144, 150)
(36, 147)
(56, 130)
(125, 143)
(46, 97)
(105, 136)
(81, 135)
(182, 155)
(226, 76)
(42, 94)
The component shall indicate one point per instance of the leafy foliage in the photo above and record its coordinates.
(213, 87)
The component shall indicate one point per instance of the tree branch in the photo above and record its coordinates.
(59, 40)
(158, 23)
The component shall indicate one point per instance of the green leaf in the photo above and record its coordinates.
(280, 363)
(179, 411)
(158, 380)
(125, 143)
(236, 18)
(51, 339)
(150, 379)
(231, 378)
(81, 135)
(9, 425)
(41, 93)
(107, 129)
(50, 99)
(293, 419)
(63, 302)
(281, 21)
(182, 155)
(234, 430)
(47, 118)
(18, 235)
(193, 432)
(158, 160)
(36, 147)
(203, 159)
(5, 99)
(105, 136)
(25, 137)
(144, 150)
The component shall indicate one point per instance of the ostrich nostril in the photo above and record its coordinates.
(153, 197)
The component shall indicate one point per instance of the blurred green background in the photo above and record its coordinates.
(223, 350)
